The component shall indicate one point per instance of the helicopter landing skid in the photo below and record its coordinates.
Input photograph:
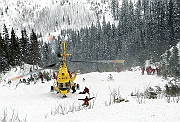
(64, 96)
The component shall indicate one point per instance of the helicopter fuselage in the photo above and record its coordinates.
(65, 80)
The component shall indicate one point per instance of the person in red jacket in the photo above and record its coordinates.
(143, 69)
(41, 77)
(54, 76)
(86, 101)
(86, 90)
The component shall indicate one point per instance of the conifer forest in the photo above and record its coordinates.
(145, 30)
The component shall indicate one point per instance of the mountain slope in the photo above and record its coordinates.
(51, 15)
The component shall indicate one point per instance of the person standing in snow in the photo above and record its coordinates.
(41, 77)
(54, 76)
(158, 70)
(86, 101)
(143, 69)
(150, 70)
(118, 69)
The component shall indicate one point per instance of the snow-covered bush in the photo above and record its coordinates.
(114, 97)
(110, 78)
(11, 116)
(172, 90)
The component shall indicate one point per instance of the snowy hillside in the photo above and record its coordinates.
(51, 15)
(35, 102)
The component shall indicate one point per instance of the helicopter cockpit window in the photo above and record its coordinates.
(61, 85)
(67, 84)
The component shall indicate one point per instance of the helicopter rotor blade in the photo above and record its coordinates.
(101, 61)
(51, 65)
(30, 73)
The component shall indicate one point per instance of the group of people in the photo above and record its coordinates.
(86, 99)
(150, 71)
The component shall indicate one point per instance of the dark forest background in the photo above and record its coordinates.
(146, 30)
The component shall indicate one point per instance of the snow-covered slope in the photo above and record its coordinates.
(51, 15)
(35, 102)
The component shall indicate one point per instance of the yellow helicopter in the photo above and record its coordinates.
(65, 80)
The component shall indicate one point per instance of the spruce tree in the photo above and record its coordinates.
(45, 54)
(14, 49)
(6, 39)
(35, 58)
(1, 54)
(24, 46)
(4, 66)
(171, 23)
(175, 63)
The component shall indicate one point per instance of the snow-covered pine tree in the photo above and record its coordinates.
(34, 50)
